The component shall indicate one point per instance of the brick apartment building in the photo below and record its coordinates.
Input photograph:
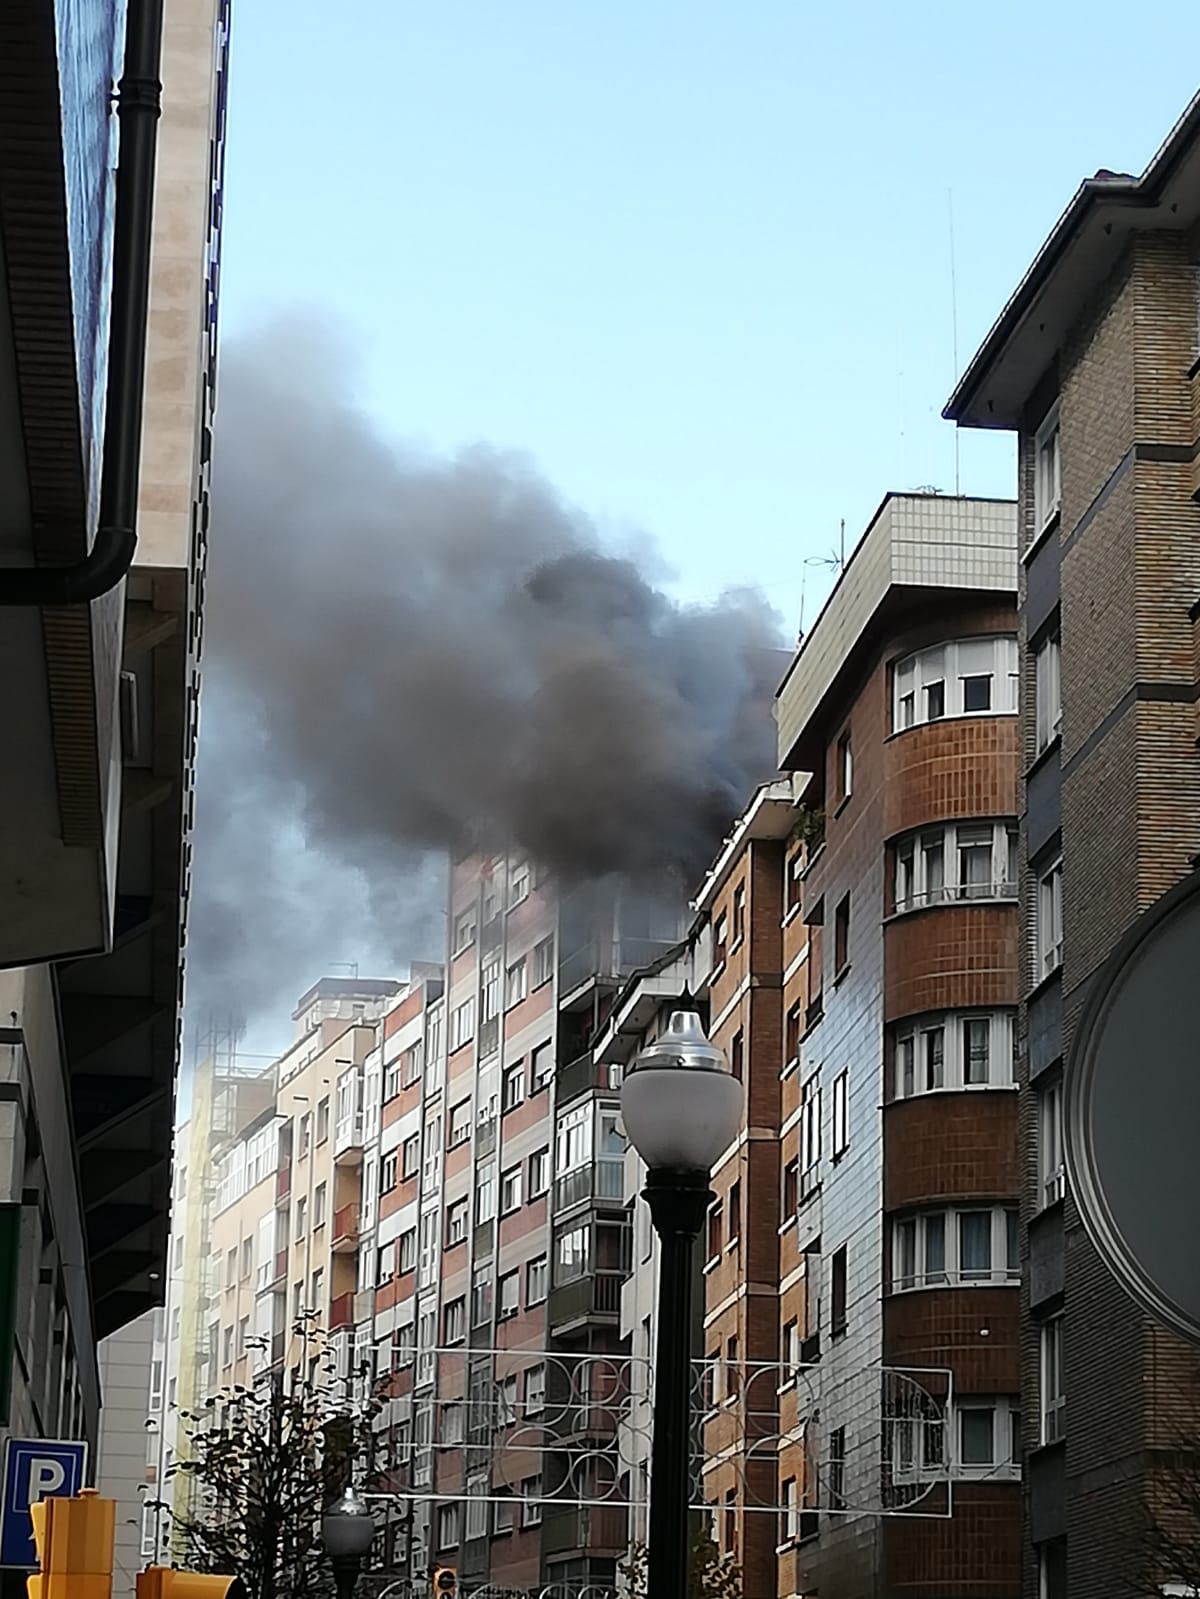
(1095, 365)
(900, 1182)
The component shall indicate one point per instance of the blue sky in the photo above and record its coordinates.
(693, 258)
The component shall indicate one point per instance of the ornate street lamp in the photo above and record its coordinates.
(681, 1108)
(347, 1529)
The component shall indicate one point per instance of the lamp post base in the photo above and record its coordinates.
(678, 1202)
(345, 1575)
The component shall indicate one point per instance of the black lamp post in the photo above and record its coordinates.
(681, 1108)
(347, 1530)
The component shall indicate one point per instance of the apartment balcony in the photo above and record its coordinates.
(283, 1184)
(596, 1295)
(584, 1529)
(345, 1230)
(602, 1181)
(584, 1074)
(348, 1139)
(341, 1311)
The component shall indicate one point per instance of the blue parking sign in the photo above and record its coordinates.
(34, 1468)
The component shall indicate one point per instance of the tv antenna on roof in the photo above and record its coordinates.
(831, 561)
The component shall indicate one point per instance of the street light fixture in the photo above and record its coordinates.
(347, 1529)
(681, 1108)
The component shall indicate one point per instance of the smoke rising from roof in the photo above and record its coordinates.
(405, 655)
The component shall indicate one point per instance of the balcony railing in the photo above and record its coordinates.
(598, 1294)
(601, 1180)
(583, 1074)
(341, 1311)
(283, 1182)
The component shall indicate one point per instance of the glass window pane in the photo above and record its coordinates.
(934, 1040)
(904, 1067)
(933, 860)
(906, 1253)
(935, 701)
(975, 1436)
(977, 693)
(1012, 1240)
(975, 1243)
(935, 1249)
(976, 1037)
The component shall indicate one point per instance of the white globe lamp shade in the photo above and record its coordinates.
(680, 1105)
(347, 1527)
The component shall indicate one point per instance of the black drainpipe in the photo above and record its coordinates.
(139, 103)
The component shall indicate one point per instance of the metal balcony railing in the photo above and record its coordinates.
(341, 1312)
(345, 1226)
(601, 1180)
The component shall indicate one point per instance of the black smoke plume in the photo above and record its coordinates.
(406, 655)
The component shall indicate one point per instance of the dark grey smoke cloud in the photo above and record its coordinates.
(405, 654)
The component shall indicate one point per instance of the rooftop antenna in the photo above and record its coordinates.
(954, 329)
(832, 561)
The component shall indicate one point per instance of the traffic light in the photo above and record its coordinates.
(445, 1582)
(74, 1542)
(158, 1582)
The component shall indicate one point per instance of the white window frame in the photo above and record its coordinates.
(539, 1174)
(535, 1390)
(914, 677)
(841, 1114)
(929, 1449)
(1049, 927)
(458, 1222)
(914, 1053)
(465, 927)
(531, 1503)
(519, 878)
(516, 983)
(810, 1134)
(458, 1129)
(845, 766)
(916, 884)
(1047, 471)
(1052, 1397)
(510, 1189)
(912, 1250)
(1047, 672)
(462, 1024)
(537, 1281)
(454, 1327)
(1052, 1172)
(489, 986)
(512, 1086)
(505, 1311)
(543, 961)
(448, 1526)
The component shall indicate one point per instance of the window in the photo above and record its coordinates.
(323, 1120)
(454, 1321)
(510, 1190)
(1049, 922)
(953, 1052)
(391, 1079)
(1050, 1144)
(790, 1199)
(481, 1294)
(720, 941)
(543, 961)
(571, 1255)
(968, 677)
(485, 1196)
(841, 1114)
(509, 1295)
(512, 1086)
(413, 1062)
(716, 1233)
(734, 1228)
(456, 1222)
(227, 1348)
(408, 1250)
(316, 1289)
(462, 1024)
(410, 1155)
(984, 1435)
(793, 875)
(305, 1134)
(737, 1056)
(964, 1246)
(319, 1198)
(1053, 1400)
(837, 1468)
(729, 1524)
(231, 1263)
(845, 767)
(739, 914)
(447, 1526)
(535, 1281)
(983, 857)
(531, 1502)
(1047, 668)
(452, 1424)
(841, 935)
(573, 1140)
(791, 1041)
(301, 1226)
(535, 1390)
(464, 929)
(518, 882)
(389, 1172)
(434, 1029)
(539, 1172)
(385, 1264)
(541, 1067)
(810, 1135)
(460, 1123)
(243, 1336)
(1047, 473)
(837, 1291)
(516, 983)
(790, 1521)
(502, 1517)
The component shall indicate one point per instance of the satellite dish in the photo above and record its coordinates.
(1132, 1110)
